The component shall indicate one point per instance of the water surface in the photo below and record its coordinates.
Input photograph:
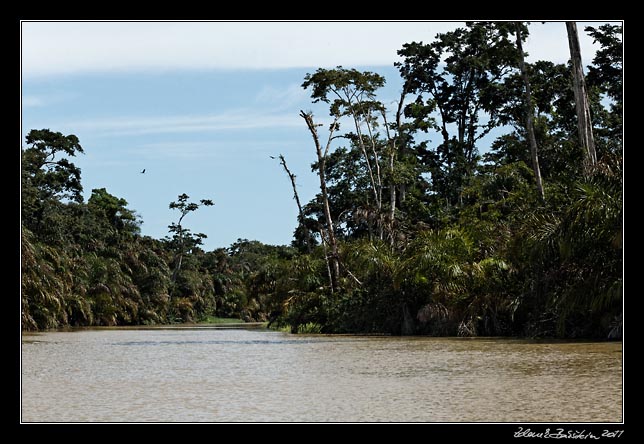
(216, 375)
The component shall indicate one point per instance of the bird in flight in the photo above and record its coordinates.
(272, 157)
(143, 172)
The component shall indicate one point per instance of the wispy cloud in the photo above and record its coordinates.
(182, 149)
(55, 48)
(282, 98)
(73, 47)
(239, 119)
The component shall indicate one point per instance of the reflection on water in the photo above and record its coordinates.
(254, 375)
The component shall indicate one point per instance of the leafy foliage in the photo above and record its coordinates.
(444, 237)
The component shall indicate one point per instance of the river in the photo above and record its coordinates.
(234, 375)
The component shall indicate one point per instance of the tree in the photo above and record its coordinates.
(48, 177)
(606, 70)
(606, 75)
(529, 113)
(584, 120)
(333, 261)
(114, 211)
(573, 271)
(453, 79)
(418, 235)
(302, 226)
(52, 175)
(351, 95)
(183, 239)
(554, 122)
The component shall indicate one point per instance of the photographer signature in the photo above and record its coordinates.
(566, 434)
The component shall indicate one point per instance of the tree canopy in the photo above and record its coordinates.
(466, 208)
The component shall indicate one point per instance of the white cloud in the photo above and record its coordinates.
(240, 119)
(50, 48)
(54, 48)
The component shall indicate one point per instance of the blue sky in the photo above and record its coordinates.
(202, 105)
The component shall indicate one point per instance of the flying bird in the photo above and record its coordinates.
(272, 157)
(143, 172)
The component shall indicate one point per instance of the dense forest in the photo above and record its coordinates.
(418, 227)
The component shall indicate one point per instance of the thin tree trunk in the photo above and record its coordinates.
(326, 256)
(376, 158)
(378, 176)
(173, 279)
(291, 176)
(392, 195)
(363, 148)
(375, 185)
(393, 143)
(529, 117)
(175, 272)
(584, 122)
(335, 260)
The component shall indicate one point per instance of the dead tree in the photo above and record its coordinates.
(584, 122)
(333, 259)
(529, 116)
(296, 196)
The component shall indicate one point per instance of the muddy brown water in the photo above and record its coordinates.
(234, 375)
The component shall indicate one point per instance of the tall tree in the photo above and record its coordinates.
(452, 78)
(584, 120)
(49, 178)
(333, 261)
(46, 166)
(555, 122)
(606, 75)
(397, 139)
(183, 238)
(529, 119)
(607, 69)
(351, 93)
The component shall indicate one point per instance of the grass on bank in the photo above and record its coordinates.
(216, 320)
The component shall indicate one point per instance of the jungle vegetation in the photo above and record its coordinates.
(418, 228)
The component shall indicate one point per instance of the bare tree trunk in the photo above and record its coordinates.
(175, 272)
(584, 122)
(376, 158)
(392, 194)
(363, 148)
(335, 259)
(297, 200)
(529, 118)
(376, 182)
(393, 143)
(326, 258)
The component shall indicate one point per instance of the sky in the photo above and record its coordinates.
(201, 106)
